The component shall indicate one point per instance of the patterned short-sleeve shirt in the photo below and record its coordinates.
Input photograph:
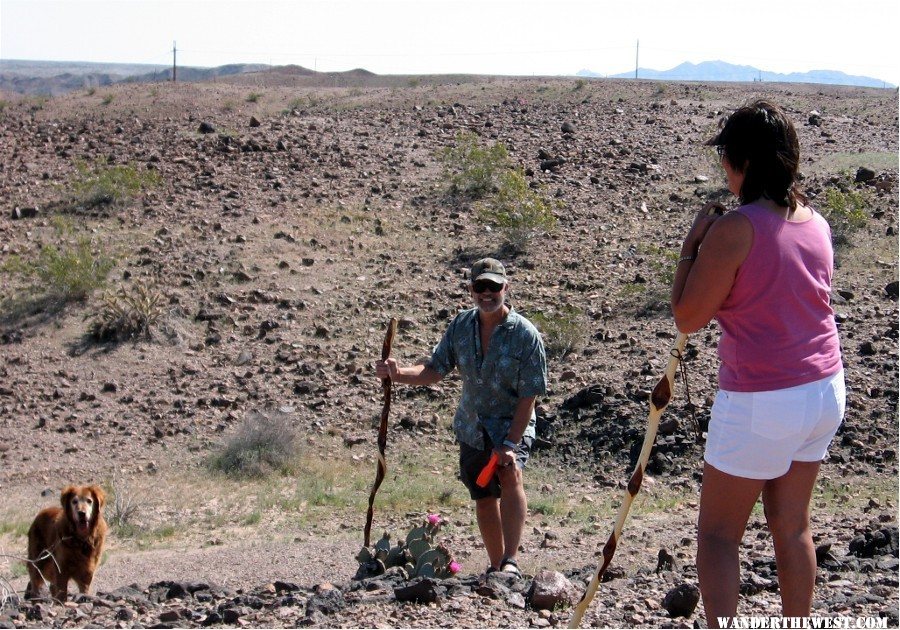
(515, 367)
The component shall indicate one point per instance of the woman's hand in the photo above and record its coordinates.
(708, 215)
(703, 278)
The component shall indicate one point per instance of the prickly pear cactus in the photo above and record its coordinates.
(415, 553)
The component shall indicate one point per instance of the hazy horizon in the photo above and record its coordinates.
(491, 37)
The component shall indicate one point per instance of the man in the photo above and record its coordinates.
(500, 357)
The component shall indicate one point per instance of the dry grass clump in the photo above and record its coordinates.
(127, 315)
(122, 508)
(266, 442)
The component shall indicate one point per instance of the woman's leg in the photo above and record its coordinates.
(786, 500)
(725, 505)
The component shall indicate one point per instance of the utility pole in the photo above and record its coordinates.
(173, 62)
(637, 50)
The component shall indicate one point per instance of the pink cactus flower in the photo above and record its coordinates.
(454, 567)
(434, 519)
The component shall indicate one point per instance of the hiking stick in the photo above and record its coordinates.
(381, 471)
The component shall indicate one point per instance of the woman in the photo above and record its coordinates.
(764, 272)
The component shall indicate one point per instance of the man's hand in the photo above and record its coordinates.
(505, 456)
(387, 369)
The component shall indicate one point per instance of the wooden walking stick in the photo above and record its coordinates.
(381, 471)
(659, 400)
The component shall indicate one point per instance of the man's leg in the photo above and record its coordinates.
(513, 509)
(487, 511)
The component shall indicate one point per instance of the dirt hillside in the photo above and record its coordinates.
(281, 226)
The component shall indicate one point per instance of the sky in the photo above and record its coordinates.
(550, 37)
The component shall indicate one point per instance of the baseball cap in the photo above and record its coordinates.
(488, 269)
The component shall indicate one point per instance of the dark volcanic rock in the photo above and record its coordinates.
(420, 590)
(682, 600)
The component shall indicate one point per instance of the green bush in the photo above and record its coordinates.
(579, 85)
(564, 331)
(102, 184)
(66, 272)
(253, 97)
(474, 171)
(108, 99)
(266, 442)
(516, 210)
(845, 211)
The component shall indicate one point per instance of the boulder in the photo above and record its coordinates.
(550, 589)
(682, 600)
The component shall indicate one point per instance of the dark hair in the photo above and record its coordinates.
(761, 142)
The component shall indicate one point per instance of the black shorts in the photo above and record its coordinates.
(473, 460)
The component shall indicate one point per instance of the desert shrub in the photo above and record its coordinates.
(37, 102)
(122, 506)
(472, 170)
(265, 442)
(108, 99)
(253, 97)
(65, 272)
(102, 184)
(3, 104)
(845, 210)
(662, 262)
(564, 331)
(516, 210)
(127, 314)
(579, 85)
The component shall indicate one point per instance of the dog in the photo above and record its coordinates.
(65, 543)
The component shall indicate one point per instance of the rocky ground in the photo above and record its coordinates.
(290, 223)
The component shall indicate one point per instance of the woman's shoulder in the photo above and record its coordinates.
(733, 224)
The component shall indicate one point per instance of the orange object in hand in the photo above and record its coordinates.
(487, 473)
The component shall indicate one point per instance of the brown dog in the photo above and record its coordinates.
(65, 543)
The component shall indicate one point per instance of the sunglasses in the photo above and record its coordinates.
(480, 286)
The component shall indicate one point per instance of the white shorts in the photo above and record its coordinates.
(758, 434)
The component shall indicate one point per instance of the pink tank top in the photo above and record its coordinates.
(778, 328)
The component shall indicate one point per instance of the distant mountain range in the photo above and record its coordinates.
(722, 71)
(52, 78)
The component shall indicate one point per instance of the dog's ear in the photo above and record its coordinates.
(99, 496)
(66, 497)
